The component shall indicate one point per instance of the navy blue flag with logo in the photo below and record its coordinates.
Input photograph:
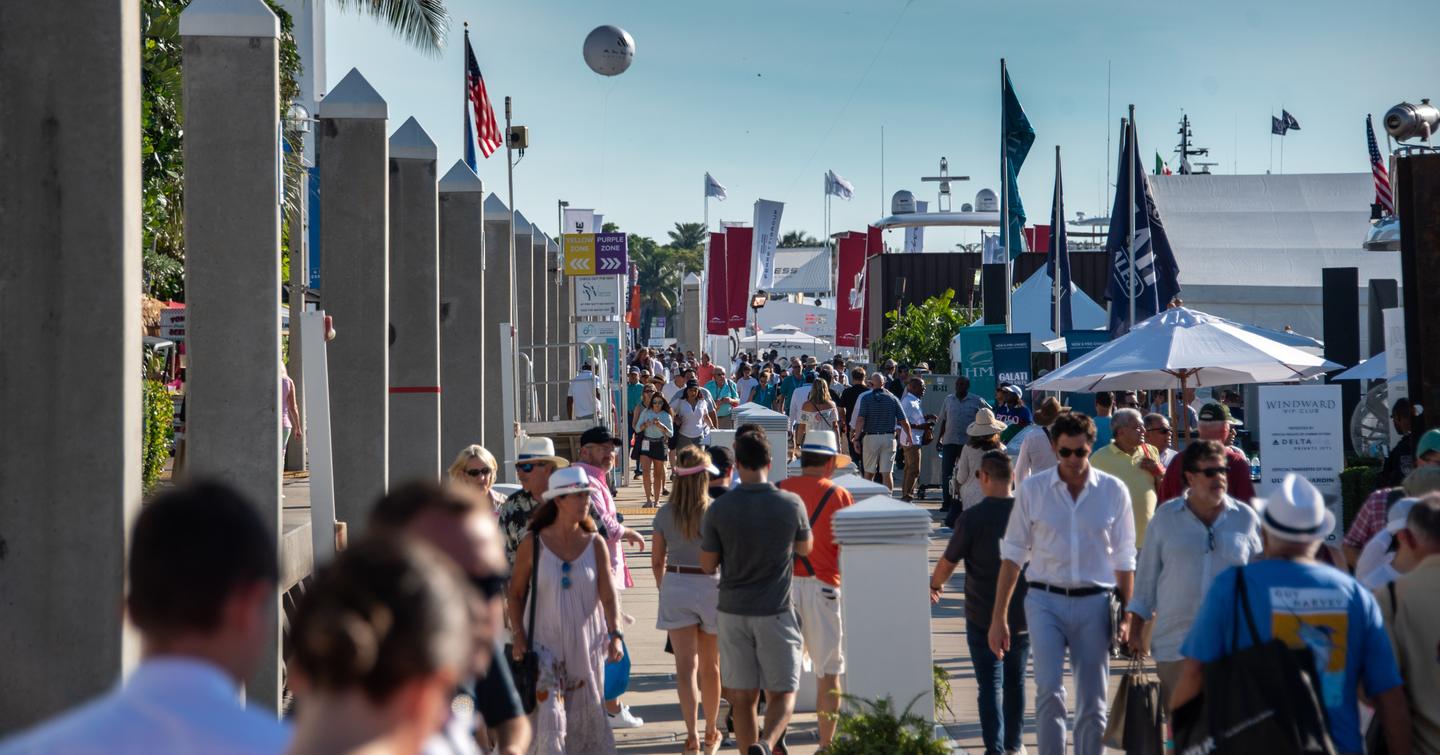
(1154, 278)
(1277, 126)
(1290, 123)
(1058, 261)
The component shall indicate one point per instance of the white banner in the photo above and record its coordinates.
(1301, 432)
(765, 241)
(915, 237)
(580, 221)
(599, 223)
(991, 253)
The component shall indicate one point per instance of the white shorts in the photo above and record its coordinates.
(818, 606)
(879, 453)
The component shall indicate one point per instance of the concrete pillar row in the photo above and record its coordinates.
(414, 306)
(498, 298)
(355, 290)
(232, 266)
(70, 276)
(462, 310)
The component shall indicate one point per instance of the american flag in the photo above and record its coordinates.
(489, 131)
(1377, 167)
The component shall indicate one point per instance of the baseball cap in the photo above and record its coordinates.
(1398, 514)
(1215, 412)
(1428, 442)
(599, 434)
(1013, 389)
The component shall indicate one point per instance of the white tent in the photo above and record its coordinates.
(789, 340)
(1031, 308)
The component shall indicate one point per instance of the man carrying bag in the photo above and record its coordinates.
(1137, 715)
(1281, 646)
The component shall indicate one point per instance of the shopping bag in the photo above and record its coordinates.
(617, 674)
(1263, 699)
(1115, 725)
(1144, 728)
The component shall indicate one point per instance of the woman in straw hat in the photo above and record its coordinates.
(984, 435)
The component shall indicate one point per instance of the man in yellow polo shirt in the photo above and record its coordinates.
(1136, 464)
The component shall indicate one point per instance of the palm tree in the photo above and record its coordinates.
(798, 238)
(688, 236)
(422, 23)
(660, 269)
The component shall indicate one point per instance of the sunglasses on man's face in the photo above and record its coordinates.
(1165, 430)
(491, 585)
(527, 467)
(1212, 471)
(1066, 453)
(481, 472)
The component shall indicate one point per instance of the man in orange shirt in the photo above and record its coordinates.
(815, 587)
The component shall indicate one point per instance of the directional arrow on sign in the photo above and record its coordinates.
(580, 264)
(610, 264)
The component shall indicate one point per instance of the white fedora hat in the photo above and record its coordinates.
(824, 443)
(567, 481)
(538, 449)
(1295, 511)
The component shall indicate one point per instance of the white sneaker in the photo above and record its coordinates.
(624, 719)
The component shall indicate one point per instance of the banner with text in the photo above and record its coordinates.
(849, 291)
(977, 358)
(1301, 432)
(612, 253)
(737, 274)
(579, 251)
(716, 302)
(580, 221)
(766, 240)
(1011, 358)
(1078, 343)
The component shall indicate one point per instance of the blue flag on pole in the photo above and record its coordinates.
(1057, 264)
(1019, 135)
(465, 110)
(1154, 278)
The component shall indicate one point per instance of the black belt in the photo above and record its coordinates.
(892, 432)
(1071, 592)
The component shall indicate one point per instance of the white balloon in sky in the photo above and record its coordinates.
(609, 50)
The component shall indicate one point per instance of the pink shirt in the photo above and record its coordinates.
(604, 504)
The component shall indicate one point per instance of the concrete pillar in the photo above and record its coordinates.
(462, 310)
(232, 265)
(525, 306)
(70, 273)
(559, 327)
(539, 294)
(355, 290)
(692, 321)
(414, 306)
(498, 296)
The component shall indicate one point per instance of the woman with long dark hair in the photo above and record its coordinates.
(654, 427)
(984, 435)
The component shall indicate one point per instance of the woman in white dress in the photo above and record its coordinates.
(819, 412)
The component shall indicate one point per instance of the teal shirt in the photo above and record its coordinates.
(632, 396)
(717, 393)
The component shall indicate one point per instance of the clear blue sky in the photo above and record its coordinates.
(769, 94)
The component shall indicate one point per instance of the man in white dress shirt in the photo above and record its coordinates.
(1073, 525)
(203, 573)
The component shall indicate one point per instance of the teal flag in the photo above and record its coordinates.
(1019, 135)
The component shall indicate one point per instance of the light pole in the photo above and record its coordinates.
(756, 303)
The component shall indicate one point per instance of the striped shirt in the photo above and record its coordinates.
(881, 410)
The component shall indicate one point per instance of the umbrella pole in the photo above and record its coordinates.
(1174, 419)
(1184, 411)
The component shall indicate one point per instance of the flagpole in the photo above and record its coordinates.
(1130, 215)
(514, 303)
(1055, 241)
(1004, 202)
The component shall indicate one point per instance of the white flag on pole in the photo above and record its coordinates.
(837, 186)
(992, 253)
(599, 222)
(580, 221)
(765, 241)
(915, 236)
(713, 188)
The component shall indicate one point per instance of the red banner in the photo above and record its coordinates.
(716, 302)
(848, 291)
(737, 274)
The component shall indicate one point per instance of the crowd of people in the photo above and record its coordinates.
(467, 621)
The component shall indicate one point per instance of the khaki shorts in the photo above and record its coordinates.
(818, 605)
(760, 652)
(879, 450)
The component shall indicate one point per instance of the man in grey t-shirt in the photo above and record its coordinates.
(756, 530)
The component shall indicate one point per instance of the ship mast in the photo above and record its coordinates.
(1186, 151)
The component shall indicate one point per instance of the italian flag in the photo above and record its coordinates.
(1161, 169)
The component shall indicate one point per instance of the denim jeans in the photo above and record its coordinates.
(949, 454)
(1002, 688)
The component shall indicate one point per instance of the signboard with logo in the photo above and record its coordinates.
(976, 358)
(597, 296)
(579, 253)
(1301, 432)
(172, 324)
(611, 254)
(1078, 343)
(1011, 358)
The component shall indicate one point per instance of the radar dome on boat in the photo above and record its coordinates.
(903, 203)
(986, 201)
(967, 207)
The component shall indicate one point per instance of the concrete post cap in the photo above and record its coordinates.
(495, 208)
(521, 224)
(229, 18)
(410, 142)
(353, 97)
(458, 179)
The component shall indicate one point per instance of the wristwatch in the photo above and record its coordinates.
(616, 634)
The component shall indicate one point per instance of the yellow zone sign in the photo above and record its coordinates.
(579, 253)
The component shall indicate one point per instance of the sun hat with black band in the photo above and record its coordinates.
(567, 481)
(1295, 511)
(600, 434)
(824, 443)
(985, 424)
(1216, 412)
(538, 449)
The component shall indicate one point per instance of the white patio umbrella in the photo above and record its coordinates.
(1184, 348)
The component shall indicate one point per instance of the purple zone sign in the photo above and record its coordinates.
(611, 254)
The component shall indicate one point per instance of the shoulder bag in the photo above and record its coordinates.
(526, 671)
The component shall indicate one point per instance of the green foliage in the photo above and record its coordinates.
(660, 269)
(944, 693)
(422, 23)
(797, 239)
(609, 227)
(158, 412)
(923, 332)
(688, 236)
(875, 728)
(1356, 484)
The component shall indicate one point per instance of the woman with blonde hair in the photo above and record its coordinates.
(689, 597)
(819, 412)
(475, 467)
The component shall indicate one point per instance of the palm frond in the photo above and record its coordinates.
(422, 23)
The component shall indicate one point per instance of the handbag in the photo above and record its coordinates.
(617, 674)
(1136, 723)
(1262, 699)
(525, 673)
